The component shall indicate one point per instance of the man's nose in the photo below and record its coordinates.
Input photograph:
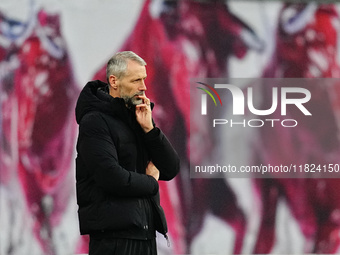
(142, 86)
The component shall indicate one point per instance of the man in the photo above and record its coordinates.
(121, 156)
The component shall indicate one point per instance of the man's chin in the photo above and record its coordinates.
(137, 102)
(132, 102)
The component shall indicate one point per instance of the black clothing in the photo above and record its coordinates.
(122, 246)
(116, 198)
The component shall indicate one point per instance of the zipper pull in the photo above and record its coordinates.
(167, 239)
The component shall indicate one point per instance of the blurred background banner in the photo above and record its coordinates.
(49, 49)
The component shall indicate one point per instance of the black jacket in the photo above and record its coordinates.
(114, 194)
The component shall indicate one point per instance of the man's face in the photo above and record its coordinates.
(132, 85)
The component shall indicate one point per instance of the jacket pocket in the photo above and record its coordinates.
(119, 214)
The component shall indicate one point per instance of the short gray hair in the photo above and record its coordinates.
(118, 63)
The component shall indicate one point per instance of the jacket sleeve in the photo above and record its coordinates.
(162, 154)
(99, 154)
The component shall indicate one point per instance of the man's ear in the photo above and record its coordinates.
(113, 82)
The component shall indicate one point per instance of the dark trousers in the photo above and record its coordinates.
(121, 246)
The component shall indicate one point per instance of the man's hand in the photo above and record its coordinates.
(152, 170)
(143, 114)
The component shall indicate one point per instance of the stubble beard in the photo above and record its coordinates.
(131, 102)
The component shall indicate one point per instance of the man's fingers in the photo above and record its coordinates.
(145, 99)
(139, 106)
(143, 106)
